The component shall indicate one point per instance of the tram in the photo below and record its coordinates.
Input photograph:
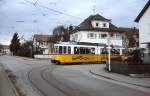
(70, 53)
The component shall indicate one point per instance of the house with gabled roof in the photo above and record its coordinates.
(97, 29)
(43, 44)
(144, 26)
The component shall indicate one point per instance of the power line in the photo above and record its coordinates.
(56, 11)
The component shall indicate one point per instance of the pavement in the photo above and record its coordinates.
(133, 79)
(6, 86)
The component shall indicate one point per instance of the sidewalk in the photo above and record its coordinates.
(6, 87)
(100, 71)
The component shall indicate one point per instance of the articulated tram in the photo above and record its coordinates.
(69, 53)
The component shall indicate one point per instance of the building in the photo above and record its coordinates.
(144, 26)
(132, 35)
(97, 29)
(5, 49)
(43, 44)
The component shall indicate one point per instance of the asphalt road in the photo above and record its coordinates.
(54, 80)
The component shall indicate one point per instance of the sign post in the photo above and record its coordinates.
(109, 53)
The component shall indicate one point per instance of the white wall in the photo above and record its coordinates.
(144, 28)
(83, 37)
(43, 56)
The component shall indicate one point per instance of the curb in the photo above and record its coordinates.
(94, 73)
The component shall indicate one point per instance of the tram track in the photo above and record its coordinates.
(53, 82)
(39, 90)
(69, 91)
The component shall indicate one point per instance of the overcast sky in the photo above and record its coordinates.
(28, 17)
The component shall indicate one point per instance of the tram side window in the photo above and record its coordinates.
(69, 50)
(76, 50)
(88, 51)
(115, 51)
(82, 50)
(65, 51)
(56, 50)
(104, 51)
(92, 50)
(60, 49)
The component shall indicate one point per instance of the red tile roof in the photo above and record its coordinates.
(86, 24)
(44, 38)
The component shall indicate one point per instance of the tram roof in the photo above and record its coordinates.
(82, 43)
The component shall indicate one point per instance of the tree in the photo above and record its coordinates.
(15, 44)
(26, 49)
(62, 33)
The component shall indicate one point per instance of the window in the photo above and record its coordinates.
(97, 24)
(103, 35)
(64, 48)
(69, 50)
(76, 50)
(92, 50)
(60, 49)
(117, 35)
(104, 24)
(91, 35)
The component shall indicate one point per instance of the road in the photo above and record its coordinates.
(46, 79)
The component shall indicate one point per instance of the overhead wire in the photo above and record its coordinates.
(51, 9)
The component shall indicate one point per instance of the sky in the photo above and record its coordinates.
(29, 17)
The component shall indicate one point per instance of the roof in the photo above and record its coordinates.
(133, 30)
(130, 32)
(142, 11)
(86, 24)
(44, 38)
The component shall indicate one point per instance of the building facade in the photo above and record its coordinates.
(43, 44)
(97, 29)
(144, 26)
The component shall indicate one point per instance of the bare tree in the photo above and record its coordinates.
(62, 33)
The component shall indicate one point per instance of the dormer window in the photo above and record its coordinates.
(97, 24)
(100, 24)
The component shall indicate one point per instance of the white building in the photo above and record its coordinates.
(43, 44)
(97, 29)
(144, 26)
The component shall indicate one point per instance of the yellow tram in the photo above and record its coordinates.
(70, 53)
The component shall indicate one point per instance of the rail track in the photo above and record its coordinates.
(63, 88)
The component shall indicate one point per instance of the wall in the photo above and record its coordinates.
(83, 37)
(43, 56)
(144, 29)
